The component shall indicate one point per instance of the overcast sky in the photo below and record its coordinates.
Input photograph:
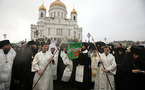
(113, 19)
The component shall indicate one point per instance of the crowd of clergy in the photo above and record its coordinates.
(46, 66)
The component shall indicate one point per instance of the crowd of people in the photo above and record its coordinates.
(46, 66)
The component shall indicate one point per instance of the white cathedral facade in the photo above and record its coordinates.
(56, 26)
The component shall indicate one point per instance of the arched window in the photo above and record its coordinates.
(74, 17)
(41, 14)
(61, 14)
(51, 14)
(54, 14)
(58, 14)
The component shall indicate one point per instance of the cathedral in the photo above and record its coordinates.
(56, 26)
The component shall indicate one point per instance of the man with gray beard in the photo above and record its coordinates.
(94, 61)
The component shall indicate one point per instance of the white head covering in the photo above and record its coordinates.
(52, 45)
(54, 66)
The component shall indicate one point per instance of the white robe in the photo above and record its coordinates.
(39, 63)
(54, 66)
(6, 62)
(94, 67)
(69, 66)
(101, 82)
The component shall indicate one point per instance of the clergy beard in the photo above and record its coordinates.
(83, 49)
(106, 54)
(6, 52)
(94, 54)
(52, 52)
(65, 52)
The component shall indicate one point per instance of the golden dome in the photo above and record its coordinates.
(57, 3)
(73, 11)
(42, 8)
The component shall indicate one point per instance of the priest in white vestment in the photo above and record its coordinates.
(94, 68)
(51, 51)
(7, 56)
(101, 82)
(39, 63)
(94, 61)
(69, 66)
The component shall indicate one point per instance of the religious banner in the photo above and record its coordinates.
(74, 50)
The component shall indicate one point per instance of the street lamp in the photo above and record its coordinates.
(5, 35)
(89, 35)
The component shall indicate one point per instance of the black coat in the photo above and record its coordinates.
(119, 59)
(26, 75)
(17, 76)
(60, 69)
(129, 80)
(85, 60)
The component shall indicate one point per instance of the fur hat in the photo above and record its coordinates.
(4, 42)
